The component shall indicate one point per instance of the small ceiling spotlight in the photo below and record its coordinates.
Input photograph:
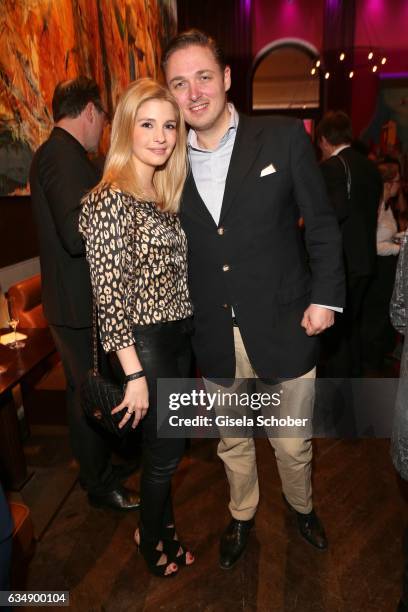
(384, 59)
(375, 68)
(351, 74)
(370, 55)
(313, 71)
(342, 56)
(317, 63)
(327, 75)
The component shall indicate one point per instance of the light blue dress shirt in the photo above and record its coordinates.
(210, 167)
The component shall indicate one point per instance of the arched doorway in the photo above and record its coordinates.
(282, 79)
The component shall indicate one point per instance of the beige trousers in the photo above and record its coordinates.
(293, 455)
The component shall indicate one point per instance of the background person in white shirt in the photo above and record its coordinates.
(378, 333)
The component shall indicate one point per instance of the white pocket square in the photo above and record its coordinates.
(268, 170)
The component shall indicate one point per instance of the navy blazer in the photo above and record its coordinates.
(255, 260)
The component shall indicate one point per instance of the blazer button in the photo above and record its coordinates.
(225, 268)
(220, 231)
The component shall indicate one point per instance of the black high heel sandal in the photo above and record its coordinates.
(152, 557)
(174, 548)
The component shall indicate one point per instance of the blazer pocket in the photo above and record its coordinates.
(273, 175)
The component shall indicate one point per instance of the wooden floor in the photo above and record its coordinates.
(90, 552)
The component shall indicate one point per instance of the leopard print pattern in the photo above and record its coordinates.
(137, 256)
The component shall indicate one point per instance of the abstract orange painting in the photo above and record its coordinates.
(43, 42)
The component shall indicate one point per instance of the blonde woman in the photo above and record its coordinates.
(137, 254)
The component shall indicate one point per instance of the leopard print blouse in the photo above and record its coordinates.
(138, 263)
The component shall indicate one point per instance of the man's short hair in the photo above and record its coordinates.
(194, 37)
(71, 97)
(336, 128)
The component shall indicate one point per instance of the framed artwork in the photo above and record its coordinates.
(387, 133)
(43, 42)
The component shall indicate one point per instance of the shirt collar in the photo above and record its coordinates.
(340, 148)
(232, 128)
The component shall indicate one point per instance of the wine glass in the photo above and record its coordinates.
(13, 323)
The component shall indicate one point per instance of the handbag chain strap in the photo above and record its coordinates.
(95, 369)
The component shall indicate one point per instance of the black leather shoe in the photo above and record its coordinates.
(233, 542)
(120, 498)
(310, 527)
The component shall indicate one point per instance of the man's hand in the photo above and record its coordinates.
(316, 319)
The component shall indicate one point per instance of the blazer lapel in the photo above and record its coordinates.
(192, 203)
(243, 156)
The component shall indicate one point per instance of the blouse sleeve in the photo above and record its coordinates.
(104, 224)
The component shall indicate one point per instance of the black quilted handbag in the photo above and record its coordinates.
(99, 395)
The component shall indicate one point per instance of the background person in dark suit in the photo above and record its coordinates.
(61, 174)
(354, 188)
(251, 179)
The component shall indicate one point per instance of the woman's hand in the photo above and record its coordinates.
(136, 401)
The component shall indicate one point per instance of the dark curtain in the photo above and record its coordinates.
(229, 22)
(339, 29)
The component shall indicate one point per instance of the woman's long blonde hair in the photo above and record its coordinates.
(119, 170)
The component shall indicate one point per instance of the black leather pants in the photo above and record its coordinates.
(164, 350)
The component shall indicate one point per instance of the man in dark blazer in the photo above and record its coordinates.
(354, 187)
(61, 174)
(259, 297)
